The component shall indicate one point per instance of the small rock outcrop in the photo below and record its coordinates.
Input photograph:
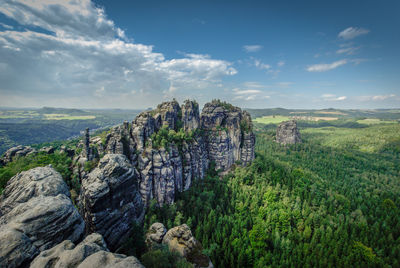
(16, 151)
(155, 234)
(178, 239)
(91, 252)
(36, 214)
(110, 200)
(47, 149)
(288, 133)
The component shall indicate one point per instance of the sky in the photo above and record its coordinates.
(254, 54)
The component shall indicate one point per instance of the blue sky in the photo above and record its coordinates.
(255, 54)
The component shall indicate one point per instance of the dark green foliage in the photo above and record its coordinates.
(297, 206)
(61, 163)
(135, 244)
(224, 104)
(161, 257)
(90, 165)
(165, 136)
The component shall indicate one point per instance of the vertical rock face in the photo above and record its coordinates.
(222, 134)
(287, 133)
(36, 214)
(190, 115)
(230, 134)
(110, 200)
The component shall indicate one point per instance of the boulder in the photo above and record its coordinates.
(70, 152)
(17, 151)
(37, 213)
(180, 239)
(110, 201)
(67, 254)
(47, 149)
(287, 133)
(155, 234)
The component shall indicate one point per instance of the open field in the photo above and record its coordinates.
(372, 139)
(271, 119)
(68, 117)
(374, 121)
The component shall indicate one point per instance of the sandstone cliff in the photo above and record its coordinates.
(288, 133)
(174, 145)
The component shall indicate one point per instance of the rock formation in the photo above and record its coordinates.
(110, 200)
(16, 151)
(155, 234)
(287, 133)
(91, 252)
(178, 239)
(36, 214)
(222, 134)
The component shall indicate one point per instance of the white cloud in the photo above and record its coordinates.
(382, 97)
(261, 65)
(347, 50)
(78, 50)
(246, 91)
(253, 85)
(323, 67)
(252, 48)
(332, 97)
(9, 27)
(352, 32)
(281, 63)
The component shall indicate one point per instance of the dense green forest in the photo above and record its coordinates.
(331, 201)
(306, 205)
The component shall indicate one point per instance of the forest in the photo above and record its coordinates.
(304, 205)
(331, 201)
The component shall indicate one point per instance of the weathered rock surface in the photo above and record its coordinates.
(70, 152)
(190, 115)
(287, 133)
(91, 252)
(110, 200)
(229, 134)
(155, 234)
(222, 134)
(47, 149)
(37, 213)
(16, 151)
(181, 240)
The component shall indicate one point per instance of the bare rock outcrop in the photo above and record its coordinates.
(189, 143)
(91, 252)
(288, 133)
(110, 200)
(37, 213)
(155, 234)
(17, 151)
(230, 136)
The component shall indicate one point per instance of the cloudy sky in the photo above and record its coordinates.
(257, 54)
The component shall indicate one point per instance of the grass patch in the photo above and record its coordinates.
(374, 121)
(68, 117)
(271, 119)
(371, 139)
